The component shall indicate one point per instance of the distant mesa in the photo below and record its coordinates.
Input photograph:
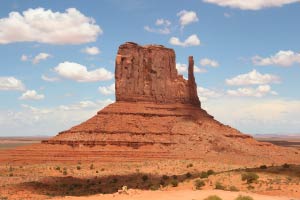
(157, 115)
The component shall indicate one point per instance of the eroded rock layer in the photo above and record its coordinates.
(157, 114)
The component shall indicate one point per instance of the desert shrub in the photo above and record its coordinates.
(250, 187)
(213, 197)
(219, 186)
(199, 184)
(189, 165)
(250, 177)
(65, 172)
(210, 172)
(11, 174)
(162, 182)
(174, 177)
(3, 198)
(154, 187)
(57, 168)
(78, 167)
(91, 166)
(97, 172)
(233, 188)
(145, 178)
(102, 169)
(241, 197)
(188, 175)
(11, 168)
(165, 177)
(203, 175)
(263, 167)
(174, 183)
(285, 165)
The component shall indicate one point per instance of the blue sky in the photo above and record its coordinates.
(57, 58)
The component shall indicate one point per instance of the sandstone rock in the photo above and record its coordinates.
(148, 73)
(157, 115)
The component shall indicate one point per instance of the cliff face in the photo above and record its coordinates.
(148, 73)
(157, 115)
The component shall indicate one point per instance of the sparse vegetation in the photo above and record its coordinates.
(219, 186)
(165, 177)
(145, 178)
(174, 183)
(57, 168)
(213, 197)
(285, 165)
(189, 165)
(210, 172)
(203, 175)
(233, 189)
(78, 167)
(241, 197)
(250, 177)
(188, 175)
(199, 184)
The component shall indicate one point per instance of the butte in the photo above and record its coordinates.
(157, 115)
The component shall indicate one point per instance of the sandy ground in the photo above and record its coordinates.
(176, 195)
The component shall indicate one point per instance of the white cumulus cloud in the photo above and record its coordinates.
(162, 27)
(253, 78)
(78, 72)
(49, 79)
(40, 57)
(91, 50)
(107, 90)
(205, 93)
(251, 4)
(182, 68)
(31, 95)
(24, 58)
(11, 83)
(187, 17)
(46, 26)
(209, 62)
(281, 58)
(260, 91)
(192, 40)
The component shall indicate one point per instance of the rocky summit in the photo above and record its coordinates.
(157, 115)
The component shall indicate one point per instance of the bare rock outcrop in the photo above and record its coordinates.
(156, 115)
(148, 73)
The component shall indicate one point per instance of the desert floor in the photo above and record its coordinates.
(155, 179)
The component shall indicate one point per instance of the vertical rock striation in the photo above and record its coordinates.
(148, 73)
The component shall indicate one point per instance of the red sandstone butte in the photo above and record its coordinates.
(157, 114)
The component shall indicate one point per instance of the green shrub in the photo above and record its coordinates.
(241, 197)
(188, 175)
(154, 187)
(174, 183)
(233, 189)
(210, 172)
(57, 168)
(219, 186)
(213, 197)
(250, 177)
(203, 175)
(199, 184)
(165, 177)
